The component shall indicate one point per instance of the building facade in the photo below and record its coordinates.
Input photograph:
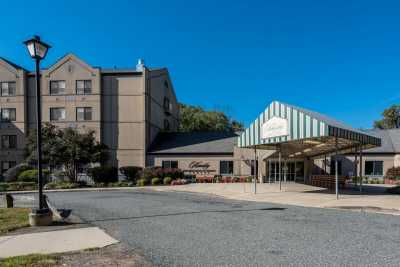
(307, 149)
(126, 108)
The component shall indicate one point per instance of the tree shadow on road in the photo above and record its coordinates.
(185, 213)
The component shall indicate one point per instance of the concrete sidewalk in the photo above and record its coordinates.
(372, 200)
(54, 242)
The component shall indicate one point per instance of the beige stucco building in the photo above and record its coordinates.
(126, 108)
(135, 113)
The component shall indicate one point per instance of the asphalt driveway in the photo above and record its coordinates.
(187, 229)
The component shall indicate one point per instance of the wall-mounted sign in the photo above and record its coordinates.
(199, 165)
(275, 127)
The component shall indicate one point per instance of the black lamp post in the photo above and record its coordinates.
(38, 50)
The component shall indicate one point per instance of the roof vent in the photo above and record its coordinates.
(140, 65)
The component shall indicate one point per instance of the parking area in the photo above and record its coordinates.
(190, 229)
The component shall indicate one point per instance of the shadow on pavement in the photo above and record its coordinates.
(185, 213)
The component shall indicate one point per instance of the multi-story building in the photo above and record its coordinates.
(126, 108)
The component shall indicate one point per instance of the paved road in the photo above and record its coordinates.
(182, 229)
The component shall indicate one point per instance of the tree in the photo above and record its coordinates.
(391, 118)
(196, 119)
(68, 148)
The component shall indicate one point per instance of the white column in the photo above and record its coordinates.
(336, 169)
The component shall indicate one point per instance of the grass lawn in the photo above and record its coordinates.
(12, 219)
(33, 260)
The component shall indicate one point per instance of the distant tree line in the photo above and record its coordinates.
(196, 119)
(390, 120)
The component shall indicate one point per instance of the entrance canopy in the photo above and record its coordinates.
(301, 133)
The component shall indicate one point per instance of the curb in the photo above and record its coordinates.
(74, 190)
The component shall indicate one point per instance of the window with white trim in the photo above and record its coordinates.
(374, 168)
(83, 87)
(57, 87)
(8, 89)
(57, 114)
(8, 114)
(84, 114)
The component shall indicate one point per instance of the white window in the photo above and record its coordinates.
(83, 87)
(7, 89)
(57, 114)
(8, 114)
(374, 168)
(84, 114)
(57, 87)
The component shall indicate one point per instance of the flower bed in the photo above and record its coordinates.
(179, 182)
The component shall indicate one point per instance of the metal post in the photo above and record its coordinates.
(361, 169)
(275, 171)
(280, 170)
(39, 134)
(269, 171)
(355, 165)
(255, 170)
(285, 171)
(336, 169)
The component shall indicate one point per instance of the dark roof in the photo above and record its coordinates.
(119, 70)
(194, 143)
(12, 64)
(390, 141)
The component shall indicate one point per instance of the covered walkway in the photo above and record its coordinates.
(295, 133)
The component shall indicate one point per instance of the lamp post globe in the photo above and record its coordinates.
(38, 51)
(36, 48)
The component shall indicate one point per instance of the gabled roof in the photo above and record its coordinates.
(13, 65)
(64, 59)
(194, 143)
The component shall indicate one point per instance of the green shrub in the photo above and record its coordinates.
(155, 181)
(141, 182)
(104, 174)
(131, 172)
(3, 187)
(18, 186)
(121, 184)
(11, 175)
(31, 175)
(249, 179)
(61, 185)
(167, 180)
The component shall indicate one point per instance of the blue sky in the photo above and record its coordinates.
(340, 58)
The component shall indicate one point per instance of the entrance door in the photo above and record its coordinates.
(294, 171)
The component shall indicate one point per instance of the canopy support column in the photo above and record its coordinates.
(269, 171)
(336, 169)
(356, 166)
(255, 170)
(280, 169)
(361, 169)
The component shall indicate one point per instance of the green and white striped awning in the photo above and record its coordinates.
(301, 125)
